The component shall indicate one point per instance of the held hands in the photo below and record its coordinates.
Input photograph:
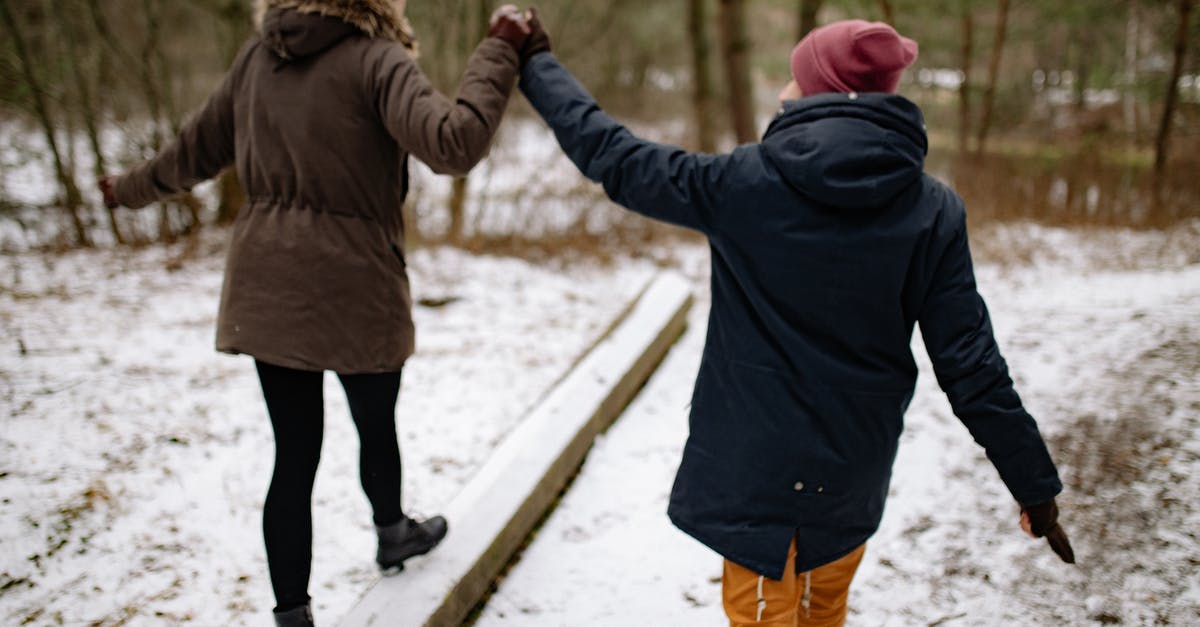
(539, 39)
(1042, 521)
(509, 25)
(524, 32)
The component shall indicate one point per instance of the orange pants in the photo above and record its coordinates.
(812, 599)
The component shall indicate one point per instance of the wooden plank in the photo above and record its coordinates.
(500, 506)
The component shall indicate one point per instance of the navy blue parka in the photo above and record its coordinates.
(829, 243)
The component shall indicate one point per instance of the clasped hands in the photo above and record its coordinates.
(521, 30)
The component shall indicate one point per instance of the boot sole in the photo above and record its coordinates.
(393, 569)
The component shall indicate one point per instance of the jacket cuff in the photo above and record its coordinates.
(128, 192)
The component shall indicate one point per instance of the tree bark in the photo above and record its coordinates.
(472, 29)
(989, 92)
(1162, 144)
(158, 72)
(71, 196)
(458, 210)
(237, 19)
(702, 85)
(88, 110)
(964, 89)
(1128, 101)
(736, 45)
(150, 90)
(1082, 64)
(807, 17)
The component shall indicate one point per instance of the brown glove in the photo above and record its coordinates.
(539, 39)
(508, 25)
(1041, 521)
(107, 184)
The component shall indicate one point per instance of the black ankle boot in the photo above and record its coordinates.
(407, 538)
(296, 617)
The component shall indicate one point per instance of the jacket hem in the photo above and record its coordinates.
(297, 363)
(754, 565)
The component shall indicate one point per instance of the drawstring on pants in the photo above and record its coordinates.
(762, 603)
(806, 600)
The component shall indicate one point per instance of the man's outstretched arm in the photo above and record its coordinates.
(660, 181)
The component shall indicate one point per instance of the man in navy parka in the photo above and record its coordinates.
(829, 243)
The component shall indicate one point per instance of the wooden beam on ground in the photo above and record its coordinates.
(500, 506)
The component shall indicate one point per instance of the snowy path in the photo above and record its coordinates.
(1107, 357)
(134, 459)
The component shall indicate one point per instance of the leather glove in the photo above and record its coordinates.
(107, 185)
(1041, 521)
(539, 39)
(508, 25)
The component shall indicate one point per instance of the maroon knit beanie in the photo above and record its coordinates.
(852, 56)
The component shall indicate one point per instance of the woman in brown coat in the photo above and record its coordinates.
(320, 113)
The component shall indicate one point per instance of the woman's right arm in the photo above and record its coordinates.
(449, 136)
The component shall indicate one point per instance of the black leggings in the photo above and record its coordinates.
(296, 405)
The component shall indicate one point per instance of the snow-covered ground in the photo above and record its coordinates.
(1102, 333)
(134, 459)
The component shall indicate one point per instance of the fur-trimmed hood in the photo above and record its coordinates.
(377, 18)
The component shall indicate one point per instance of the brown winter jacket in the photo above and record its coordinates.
(320, 112)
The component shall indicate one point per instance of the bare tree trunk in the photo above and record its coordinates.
(736, 45)
(237, 19)
(989, 92)
(808, 17)
(158, 72)
(1082, 72)
(964, 89)
(1162, 144)
(71, 197)
(1129, 104)
(889, 12)
(702, 85)
(472, 29)
(151, 90)
(87, 103)
(155, 99)
(458, 210)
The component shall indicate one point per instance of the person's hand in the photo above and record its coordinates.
(509, 25)
(539, 39)
(1041, 521)
(107, 184)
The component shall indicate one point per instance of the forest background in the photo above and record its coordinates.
(135, 454)
(1067, 113)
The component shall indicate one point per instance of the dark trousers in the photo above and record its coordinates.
(296, 405)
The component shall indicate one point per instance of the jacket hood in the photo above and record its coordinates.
(849, 151)
(382, 19)
(291, 35)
